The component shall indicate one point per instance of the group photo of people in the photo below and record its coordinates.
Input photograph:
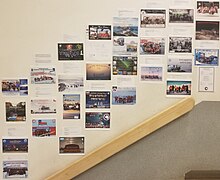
(152, 46)
(206, 57)
(207, 7)
(153, 18)
(181, 15)
(180, 44)
(13, 85)
(178, 87)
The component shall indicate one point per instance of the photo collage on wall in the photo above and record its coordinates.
(155, 46)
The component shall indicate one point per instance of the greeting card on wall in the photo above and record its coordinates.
(15, 145)
(153, 18)
(97, 120)
(15, 111)
(151, 73)
(97, 99)
(123, 95)
(178, 88)
(207, 8)
(13, 169)
(68, 83)
(124, 65)
(43, 75)
(43, 106)
(70, 51)
(71, 106)
(15, 87)
(99, 32)
(72, 145)
(180, 44)
(206, 57)
(44, 127)
(97, 71)
(179, 65)
(207, 30)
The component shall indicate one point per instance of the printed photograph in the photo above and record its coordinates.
(119, 41)
(43, 75)
(70, 51)
(153, 18)
(99, 32)
(15, 111)
(124, 65)
(125, 46)
(179, 65)
(180, 44)
(43, 106)
(152, 46)
(15, 145)
(13, 169)
(72, 145)
(125, 26)
(70, 83)
(97, 120)
(178, 87)
(98, 71)
(43, 127)
(71, 106)
(181, 15)
(23, 87)
(97, 99)
(15, 87)
(151, 73)
(208, 8)
(206, 57)
(207, 30)
(123, 95)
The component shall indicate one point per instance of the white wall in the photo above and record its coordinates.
(35, 27)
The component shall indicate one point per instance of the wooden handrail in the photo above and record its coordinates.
(124, 140)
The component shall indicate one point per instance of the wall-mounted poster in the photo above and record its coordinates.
(206, 57)
(124, 65)
(97, 99)
(208, 8)
(123, 95)
(98, 71)
(125, 26)
(70, 51)
(43, 106)
(180, 44)
(152, 46)
(13, 169)
(43, 127)
(43, 75)
(15, 111)
(151, 73)
(206, 79)
(153, 18)
(71, 106)
(125, 45)
(181, 15)
(207, 30)
(99, 32)
(97, 120)
(179, 65)
(70, 83)
(15, 145)
(72, 145)
(178, 87)
(15, 87)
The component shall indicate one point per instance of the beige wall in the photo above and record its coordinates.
(35, 27)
